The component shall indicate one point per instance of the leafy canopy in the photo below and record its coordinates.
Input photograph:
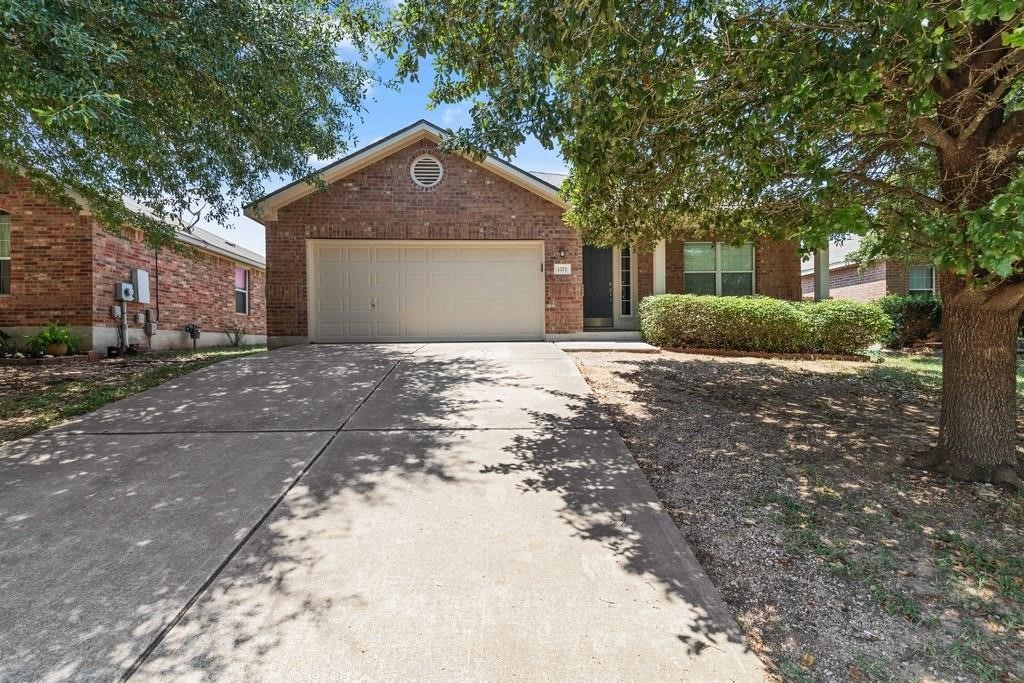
(183, 106)
(900, 119)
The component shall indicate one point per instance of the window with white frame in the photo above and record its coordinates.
(241, 290)
(5, 252)
(718, 269)
(625, 282)
(921, 280)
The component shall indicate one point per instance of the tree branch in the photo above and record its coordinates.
(896, 191)
(991, 102)
(936, 134)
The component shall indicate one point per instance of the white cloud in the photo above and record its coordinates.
(454, 116)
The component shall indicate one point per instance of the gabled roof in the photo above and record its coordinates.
(266, 207)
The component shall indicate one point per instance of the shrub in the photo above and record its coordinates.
(54, 333)
(235, 333)
(913, 318)
(838, 326)
(7, 344)
(761, 324)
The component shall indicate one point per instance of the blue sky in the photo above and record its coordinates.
(387, 111)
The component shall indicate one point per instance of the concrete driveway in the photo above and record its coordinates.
(390, 512)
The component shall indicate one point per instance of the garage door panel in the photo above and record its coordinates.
(442, 254)
(388, 280)
(331, 254)
(471, 304)
(388, 254)
(387, 305)
(358, 254)
(330, 305)
(443, 279)
(358, 279)
(470, 280)
(445, 290)
(358, 304)
(416, 280)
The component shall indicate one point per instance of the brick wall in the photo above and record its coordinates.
(849, 282)
(382, 202)
(644, 274)
(192, 286)
(896, 277)
(776, 268)
(50, 261)
(64, 266)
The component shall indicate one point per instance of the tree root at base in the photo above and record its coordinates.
(936, 460)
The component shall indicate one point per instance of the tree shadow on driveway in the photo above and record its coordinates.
(495, 523)
(438, 549)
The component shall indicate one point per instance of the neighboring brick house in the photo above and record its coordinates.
(58, 264)
(408, 242)
(855, 283)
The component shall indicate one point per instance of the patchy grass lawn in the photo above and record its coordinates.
(34, 397)
(841, 564)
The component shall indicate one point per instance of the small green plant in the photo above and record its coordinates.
(7, 344)
(235, 333)
(53, 335)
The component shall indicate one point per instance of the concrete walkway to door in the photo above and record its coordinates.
(390, 512)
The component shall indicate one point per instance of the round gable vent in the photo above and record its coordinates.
(426, 171)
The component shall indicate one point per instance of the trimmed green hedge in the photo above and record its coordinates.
(761, 324)
(913, 318)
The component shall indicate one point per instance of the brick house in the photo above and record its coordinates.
(58, 264)
(849, 281)
(410, 243)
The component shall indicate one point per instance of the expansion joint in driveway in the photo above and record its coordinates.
(386, 430)
(259, 523)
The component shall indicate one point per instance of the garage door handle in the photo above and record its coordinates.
(373, 303)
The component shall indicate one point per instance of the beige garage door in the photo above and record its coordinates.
(422, 290)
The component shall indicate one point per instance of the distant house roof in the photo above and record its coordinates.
(555, 179)
(206, 240)
(266, 207)
(838, 255)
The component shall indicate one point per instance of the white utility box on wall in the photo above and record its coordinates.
(140, 280)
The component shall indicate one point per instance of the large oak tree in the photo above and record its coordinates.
(902, 120)
(183, 106)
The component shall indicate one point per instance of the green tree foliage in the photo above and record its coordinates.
(181, 106)
(791, 118)
(902, 120)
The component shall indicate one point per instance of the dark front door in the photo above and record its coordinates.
(597, 286)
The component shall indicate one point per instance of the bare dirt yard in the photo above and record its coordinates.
(840, 563)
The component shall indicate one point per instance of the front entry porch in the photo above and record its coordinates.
(609, 289)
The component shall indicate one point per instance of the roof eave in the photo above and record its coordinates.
(199, 244)
(266, 208)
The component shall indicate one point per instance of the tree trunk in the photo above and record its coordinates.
(978, 420)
